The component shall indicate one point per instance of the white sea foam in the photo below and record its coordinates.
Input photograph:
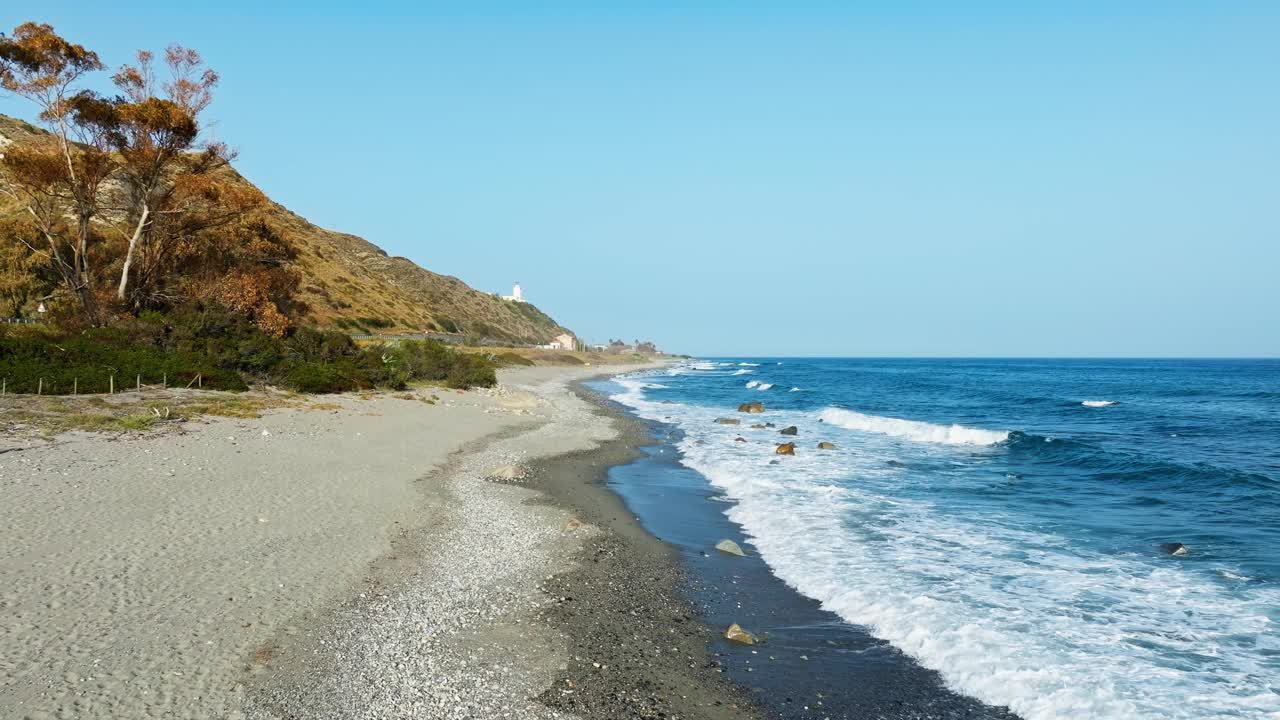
(1011, 615)
(1099, 403)
(752, 383)
(794, 389)
(749, 364)
(912, 429)
(764, 386)
(743, 371)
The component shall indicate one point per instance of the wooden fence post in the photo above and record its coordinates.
(139, 379)
(113, 384)
(40, 387)
(75, 386)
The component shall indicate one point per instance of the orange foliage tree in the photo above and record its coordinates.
(127, 186)
(58, 180)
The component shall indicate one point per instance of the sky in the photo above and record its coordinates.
(776, 179)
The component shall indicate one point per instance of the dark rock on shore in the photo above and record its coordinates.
(824, 445)
(790, 430)
(751, 407)
(786, 449)
(727, 421)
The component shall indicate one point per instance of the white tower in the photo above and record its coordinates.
(516, 293)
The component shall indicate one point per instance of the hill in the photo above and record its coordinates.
(351, 284)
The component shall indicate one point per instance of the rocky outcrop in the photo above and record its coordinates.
(790, 430)
(727, 421)
(786, 449)
(751, 407)
(824, 445)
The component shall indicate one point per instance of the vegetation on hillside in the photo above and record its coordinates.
(222, 350)
(155, 259)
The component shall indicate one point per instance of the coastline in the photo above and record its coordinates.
(813, 664)
(355, 559)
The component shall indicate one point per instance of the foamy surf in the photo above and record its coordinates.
(912, 429)
(1014, 612)
(1099, 403)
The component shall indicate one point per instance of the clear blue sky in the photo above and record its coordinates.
(843, 178)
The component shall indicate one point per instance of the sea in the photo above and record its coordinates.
(1051, 539)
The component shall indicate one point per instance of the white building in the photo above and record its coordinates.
(517, 295)
(563, 341)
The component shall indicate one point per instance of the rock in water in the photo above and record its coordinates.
(727, 421)
(757, 426)
(824, 445)
(751, 407)
(730, 547)
(736, 634)
(1176, 549)
(739, 439)
(786, 449)
(790, 430)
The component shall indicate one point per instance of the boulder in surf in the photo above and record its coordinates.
(730, 547)
(735, 633)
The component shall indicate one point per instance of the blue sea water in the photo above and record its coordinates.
(1001, 521)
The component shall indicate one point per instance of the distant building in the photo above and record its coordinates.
(564, 341)
(517, 295)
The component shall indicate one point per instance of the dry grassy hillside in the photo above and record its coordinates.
(350, 283)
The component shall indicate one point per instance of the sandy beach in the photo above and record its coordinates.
(384, 557)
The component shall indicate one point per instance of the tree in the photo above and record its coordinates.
(166, 169)
(61, 177)
(126, 187)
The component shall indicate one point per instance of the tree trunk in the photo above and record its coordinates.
(128, 257)
(84, 282)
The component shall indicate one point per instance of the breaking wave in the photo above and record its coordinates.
(912, 429)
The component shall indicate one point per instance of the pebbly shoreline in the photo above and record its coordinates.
(535, 597)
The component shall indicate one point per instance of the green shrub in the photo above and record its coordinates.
(221, 348)
(310, 377)
(87, 362)
(470, 371)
